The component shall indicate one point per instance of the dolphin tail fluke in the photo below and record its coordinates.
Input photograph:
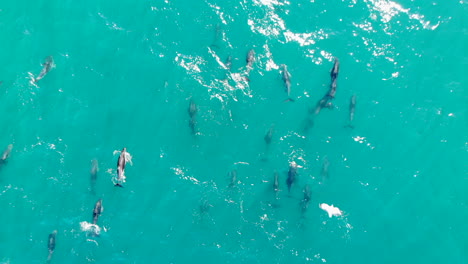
(349, 126)
(289, 100)
(118, 185)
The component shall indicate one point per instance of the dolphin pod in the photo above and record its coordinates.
(324, 102)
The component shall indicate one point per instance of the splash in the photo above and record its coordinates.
(363, 140)
(128, 156)
(190, 63)
(90, 229)
(181, 171)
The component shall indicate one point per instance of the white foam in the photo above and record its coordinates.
(90, 228)
(128, 158)
(118, 180)
(331, 210)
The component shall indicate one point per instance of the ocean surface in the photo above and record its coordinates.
(124, 75)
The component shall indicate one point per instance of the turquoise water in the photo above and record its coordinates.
(125, 74)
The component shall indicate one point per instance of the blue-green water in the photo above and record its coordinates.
(125, 74)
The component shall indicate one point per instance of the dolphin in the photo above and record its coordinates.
(334, 75)
(250, 58)
(218, 35)
(331, 93)
(6, 154)
(233, 175)
(268, 135)
(46, 67)
(93, 173)
(322, 103)
(205, 206)
(97, 211)
(228, 63)
(192, 125)
(51, 245)
(93, 229)
(352, 108)
(276, 182)
(305, 201)
(192, 110)
(286, 78)
(121, 162)
(325, 102)
(325, 166)
(308, 123)
(334, 71)
(291, 175)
